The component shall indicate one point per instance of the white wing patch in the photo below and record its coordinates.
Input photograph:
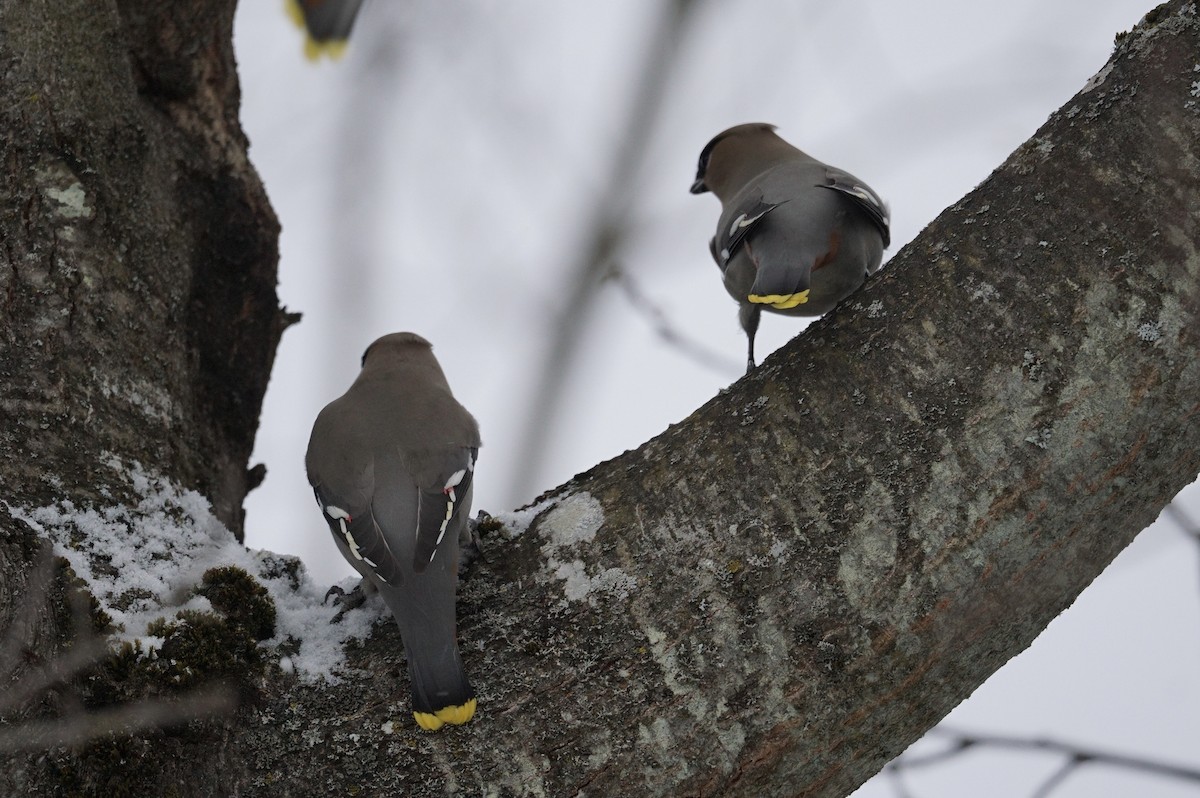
(744, 221)
(451, 500)
(864, 193)
(341, 516)
(455, 480)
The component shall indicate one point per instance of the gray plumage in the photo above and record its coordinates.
(328, 20)
(391, 463)
(795, 236)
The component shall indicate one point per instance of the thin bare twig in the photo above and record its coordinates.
(1188, 525)
(608, 230)
(63, 667)
(657, 319)
(79, 725)
(1056, 778)
(897, 778)
(1077, 756)
(143, 715)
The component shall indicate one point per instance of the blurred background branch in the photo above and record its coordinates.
(1071, 755)
(667, 331)
(605, 235)
(956, 745)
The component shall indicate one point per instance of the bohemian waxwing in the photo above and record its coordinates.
(391, 463)
(327, 23)
(795, 236)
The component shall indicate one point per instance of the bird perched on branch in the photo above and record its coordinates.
(796, 236)
(327, 23)
(391, 463)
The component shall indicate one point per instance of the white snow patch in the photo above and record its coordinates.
(147, 558)
(516, 522)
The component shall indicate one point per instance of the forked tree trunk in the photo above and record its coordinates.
(775, 596)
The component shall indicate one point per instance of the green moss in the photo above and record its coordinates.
(241, 598)
(277, 567)
(198, 648)
(118, 678)
(201, 647)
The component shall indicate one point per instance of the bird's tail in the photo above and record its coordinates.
(424, 612)
(441, 693)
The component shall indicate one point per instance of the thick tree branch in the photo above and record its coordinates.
(779, 594)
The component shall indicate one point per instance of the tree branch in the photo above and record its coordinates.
(782, 592)
(1075, 756)
(779, 594)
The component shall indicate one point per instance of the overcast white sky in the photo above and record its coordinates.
(438, 178)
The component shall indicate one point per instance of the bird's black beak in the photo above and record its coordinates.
(698, 187)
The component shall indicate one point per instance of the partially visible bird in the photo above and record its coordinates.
(796, 236)
(327, 23)
(391, 463)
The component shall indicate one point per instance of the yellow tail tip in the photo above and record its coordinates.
(455, 716)
(313, 49)
(333, 49)
(780, 301)
(294, 12)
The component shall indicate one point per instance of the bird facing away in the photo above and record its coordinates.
(391, 462)
(795, 236)
(327, 24)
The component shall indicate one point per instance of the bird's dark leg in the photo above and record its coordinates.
(749, 315)
(347, 601)
(470, 546)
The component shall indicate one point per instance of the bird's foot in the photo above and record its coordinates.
(470, 544)
(469, 549)
(347, 601)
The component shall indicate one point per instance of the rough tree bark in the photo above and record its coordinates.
(138, 282)
(775, 596)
